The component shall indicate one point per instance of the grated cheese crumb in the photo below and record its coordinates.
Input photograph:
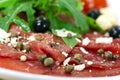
(31, 38)
(78, 40)
(7, 40)
(106, 34)
(104, 40)
(95, 33)
(85, 41)
(89, 62)
(24, 51)
(23, 58)
(66, 61)
(13, 42)
(4, 34)
(90, 70)
(83, 50)
(79, 67)
(9, 44)
(64, 53)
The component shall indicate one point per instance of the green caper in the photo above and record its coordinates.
(19, 45)
(108, 55)
(77, 57)
(13, 34)
(69, 35)
(100, 51)
(27, 48)
(42, 57)
(48, 62)
(69, 68)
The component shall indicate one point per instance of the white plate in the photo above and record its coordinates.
(15, 75)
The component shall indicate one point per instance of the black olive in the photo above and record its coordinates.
(94, 13)
(115, 32)
(41, 24)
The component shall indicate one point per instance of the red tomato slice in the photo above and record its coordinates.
(93, 4)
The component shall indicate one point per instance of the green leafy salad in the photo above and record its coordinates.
(9, 10)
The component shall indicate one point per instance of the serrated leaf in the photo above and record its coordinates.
(6, 3)
(22, 24)
(57, 24)
(4, 24)
(78, 16)
(30, 15)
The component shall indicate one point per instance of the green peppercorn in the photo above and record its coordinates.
(69, 68)
(13, 34)
(27, 48)
(38, 39)
(19, 45)
(108, 55)
(77, 57)
(115, 57)
(42, 57)
(100, 51)
(48, 62)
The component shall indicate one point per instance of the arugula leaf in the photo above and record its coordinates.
(52, 8)
(79, 17)
(93, 24)
(30, 14)
(58, 24)
(70, 41)
(4, 24)
(22, 24)
(6, 3)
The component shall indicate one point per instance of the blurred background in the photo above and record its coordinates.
(115, 6)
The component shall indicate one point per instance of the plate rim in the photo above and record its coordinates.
(13, 74)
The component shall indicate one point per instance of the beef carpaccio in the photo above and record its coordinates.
(55, 37)
(90, 57)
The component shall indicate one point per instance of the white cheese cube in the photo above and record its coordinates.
(105, 22)
(105, 40)
(85, 41)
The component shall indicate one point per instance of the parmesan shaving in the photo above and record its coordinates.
(83, 50)
(66, 61)
(79, 67)
(104, 40)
